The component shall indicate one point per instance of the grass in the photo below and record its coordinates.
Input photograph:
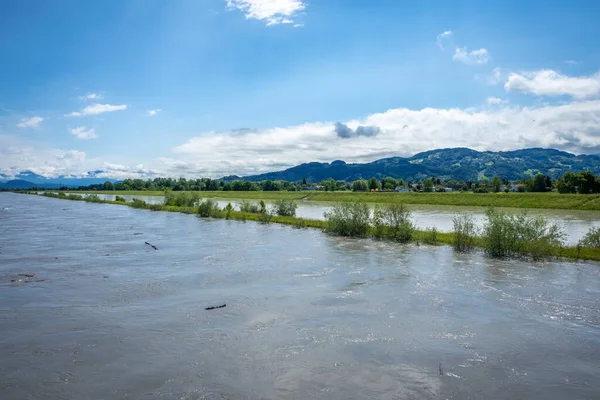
(506, 200)
(358, 215)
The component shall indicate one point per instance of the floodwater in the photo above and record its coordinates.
(575, 223)
(308, 316)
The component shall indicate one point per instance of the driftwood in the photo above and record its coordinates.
(27, 275)
(214, 307)
(151, 245)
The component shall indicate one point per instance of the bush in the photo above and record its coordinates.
(119, 198)
(74, 197)
(285, 208)
(62, 195)
(181, 199)
(209, 208)
(393, 221)
(228, 210)
(510, 235)
(93, 198)
(591, 239)
(481, 189)
(430, 236)
(246, 206)
(465, 232)
(264, 214)
(137, 203)
(348, 219)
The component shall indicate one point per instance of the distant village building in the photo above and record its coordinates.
(402, 189)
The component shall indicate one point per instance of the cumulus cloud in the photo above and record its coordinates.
(272, 12)
(443, 38)
(401, 132)
(96, 109)
(83, 133)
(32, 122)
(152, 113)
(345, 132)
(17, 155)
(91, 96)
(475, 57)
(547, 82)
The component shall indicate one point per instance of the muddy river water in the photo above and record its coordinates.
(89, 311)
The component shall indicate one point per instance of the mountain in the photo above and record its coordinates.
(21, 184)
(69, 181)
(455, 163)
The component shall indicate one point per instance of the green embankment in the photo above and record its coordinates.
(510, 200)
(420, 236)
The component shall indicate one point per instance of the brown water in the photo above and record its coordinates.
(307, 316)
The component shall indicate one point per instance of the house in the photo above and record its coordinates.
(402, 189)
(516, 187)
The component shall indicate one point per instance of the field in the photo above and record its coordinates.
(511, 200)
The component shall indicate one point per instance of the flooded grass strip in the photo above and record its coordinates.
(503, 235)
(548, 200)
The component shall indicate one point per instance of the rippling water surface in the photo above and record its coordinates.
(307, 316)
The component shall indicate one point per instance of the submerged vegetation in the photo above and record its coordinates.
(502, 235)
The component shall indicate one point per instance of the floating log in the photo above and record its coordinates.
(151, 245)
(214, 307)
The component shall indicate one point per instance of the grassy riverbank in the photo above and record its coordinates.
(417, 236)
(508, 200)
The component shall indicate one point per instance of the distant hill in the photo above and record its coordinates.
(89, 178)
(456, 163)
(21, 184)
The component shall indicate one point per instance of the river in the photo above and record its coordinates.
(575, 223)
(307, 315)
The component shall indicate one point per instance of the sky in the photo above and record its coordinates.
(188, 88)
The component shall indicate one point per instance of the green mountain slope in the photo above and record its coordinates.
(457, 163)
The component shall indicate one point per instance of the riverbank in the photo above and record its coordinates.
(419, 236)
(505, 200)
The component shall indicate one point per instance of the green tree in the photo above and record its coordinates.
(496, 183)
(360, 186)
(373, 184)
(108, 185)
(329, 185)
(539, 183)
(428, 185)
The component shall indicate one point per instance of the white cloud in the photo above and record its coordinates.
(32, 122)
(91, 96)
(152, 113)
(547, 82)
(495, 100)
(17, 155)
(96, 109)
(271, 11)
(572, 127)
(83, 133)
(475, 57)
(442, 38)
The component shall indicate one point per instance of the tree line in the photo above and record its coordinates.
(584, 182)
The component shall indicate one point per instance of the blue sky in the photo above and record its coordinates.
(208, 88)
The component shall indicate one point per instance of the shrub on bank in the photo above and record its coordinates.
(264, 214)
(393, 221)
(430, 236)
(591, 239)
(93, 198)
(285, 208)
(246, 206)
(209, 208)
(119, 198)
(509, 235)
(348, 219)
(465, 232)
(137, 203)
(181, 199)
